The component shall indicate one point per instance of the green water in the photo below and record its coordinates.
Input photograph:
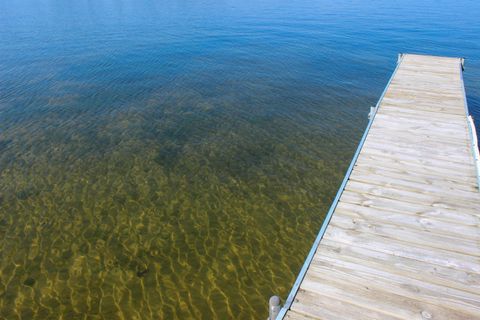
(175, 160)
(179, 208)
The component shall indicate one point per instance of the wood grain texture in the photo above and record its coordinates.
(404, 239)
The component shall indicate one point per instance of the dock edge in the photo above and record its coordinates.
(316, 243)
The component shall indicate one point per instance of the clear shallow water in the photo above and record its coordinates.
(175, 159)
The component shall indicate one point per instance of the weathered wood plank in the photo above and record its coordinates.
(461, 217)
(372, 159)
(390, 192)
(425, 188)
(430, 122)
(404, 249)
(369, 225)
(393, 174)
(423, 138)
(410, 220)
(414, 170)
(292, 314)
(316, 305)
(456, 160)
(459, 152)
(395, 282)
(421, 115)
(365, 296)
(448, 277)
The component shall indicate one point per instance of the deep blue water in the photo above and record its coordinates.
(175, 159)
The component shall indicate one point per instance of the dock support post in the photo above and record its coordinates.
(273, 307)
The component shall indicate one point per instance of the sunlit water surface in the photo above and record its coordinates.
(175, 159)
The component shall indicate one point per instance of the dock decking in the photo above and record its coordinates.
(402, 239)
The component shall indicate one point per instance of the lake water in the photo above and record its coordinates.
(175, 159)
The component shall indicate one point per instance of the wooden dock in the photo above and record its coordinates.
(402, 239)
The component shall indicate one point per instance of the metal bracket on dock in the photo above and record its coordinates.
(372, 112)
(475, 151)
(462, 61)
(400, 56)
